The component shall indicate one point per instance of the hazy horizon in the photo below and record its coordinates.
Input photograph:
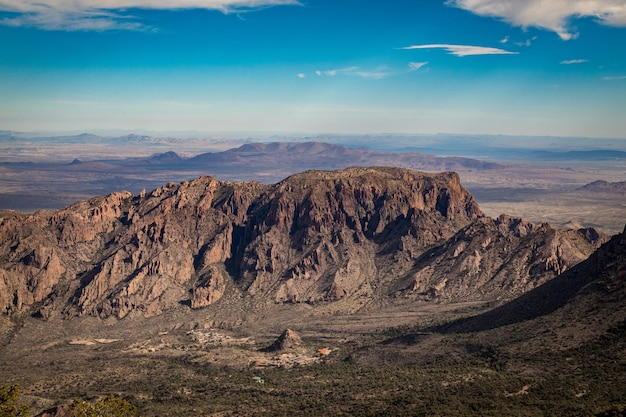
(241, 134)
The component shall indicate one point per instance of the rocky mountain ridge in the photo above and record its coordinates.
(346, 238)
(589, 297)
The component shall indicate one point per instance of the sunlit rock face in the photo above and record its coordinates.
(347, 237)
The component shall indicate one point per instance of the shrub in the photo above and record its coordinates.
(110, 406)
(9, 395)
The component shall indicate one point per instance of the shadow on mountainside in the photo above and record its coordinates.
(587, 289)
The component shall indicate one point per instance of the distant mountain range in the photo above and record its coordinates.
(591, 155)
(264, 162)
(294, 156)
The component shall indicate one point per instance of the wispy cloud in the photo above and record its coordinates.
(101, 15)
(463, 50)
(301, 75)
(574, 61)
(377, 73)
(334, 72)
(414, 66)
(548, 14)
(614, 78)
(527, 42)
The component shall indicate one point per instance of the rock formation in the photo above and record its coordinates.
(492, 259)
(583, 303)
(349, 236)
(288, 340)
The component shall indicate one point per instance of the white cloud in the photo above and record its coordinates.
(504, 40)
(619, 77)
(527, 42)
(111, 14)
(414, 66)
(574, 61)
(301, 75)
(334, 72)
(377, 73)
(463, 50)
(552, 15)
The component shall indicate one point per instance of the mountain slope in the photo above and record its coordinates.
(344, 238)
(493, 259)
(587, 300)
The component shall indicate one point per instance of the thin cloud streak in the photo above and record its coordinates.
(376, 74)
(615, 78)
(574, 61)
(102, 15)
(463, 50)
(527, 42)
(334, 72)
(553, 15)
(414, 66)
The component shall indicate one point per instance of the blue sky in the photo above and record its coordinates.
(535, 67)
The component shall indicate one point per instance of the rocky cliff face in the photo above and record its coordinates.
(347, 236)
(494, 258)
(317, 236)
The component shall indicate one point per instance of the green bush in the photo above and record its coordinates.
(110, 406)
(9, 395)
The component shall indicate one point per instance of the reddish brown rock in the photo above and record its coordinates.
(349, 236)
(493, 259)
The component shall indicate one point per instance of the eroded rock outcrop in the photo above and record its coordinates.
(348, 236)
(491, 259)
(287, 341)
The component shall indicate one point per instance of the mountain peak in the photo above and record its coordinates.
(167, 157)
(288, 340)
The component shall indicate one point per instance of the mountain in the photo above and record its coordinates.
(342, 239)
(602, 186)
(321, 155)
(164, 158)
(479, 261)
(288, 340)
(570, 328)
(589, 298)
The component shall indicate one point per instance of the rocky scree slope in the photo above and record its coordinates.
(345, 237)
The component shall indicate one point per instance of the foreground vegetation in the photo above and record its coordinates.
(110, 406)
(586, 381)
(440, 388)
